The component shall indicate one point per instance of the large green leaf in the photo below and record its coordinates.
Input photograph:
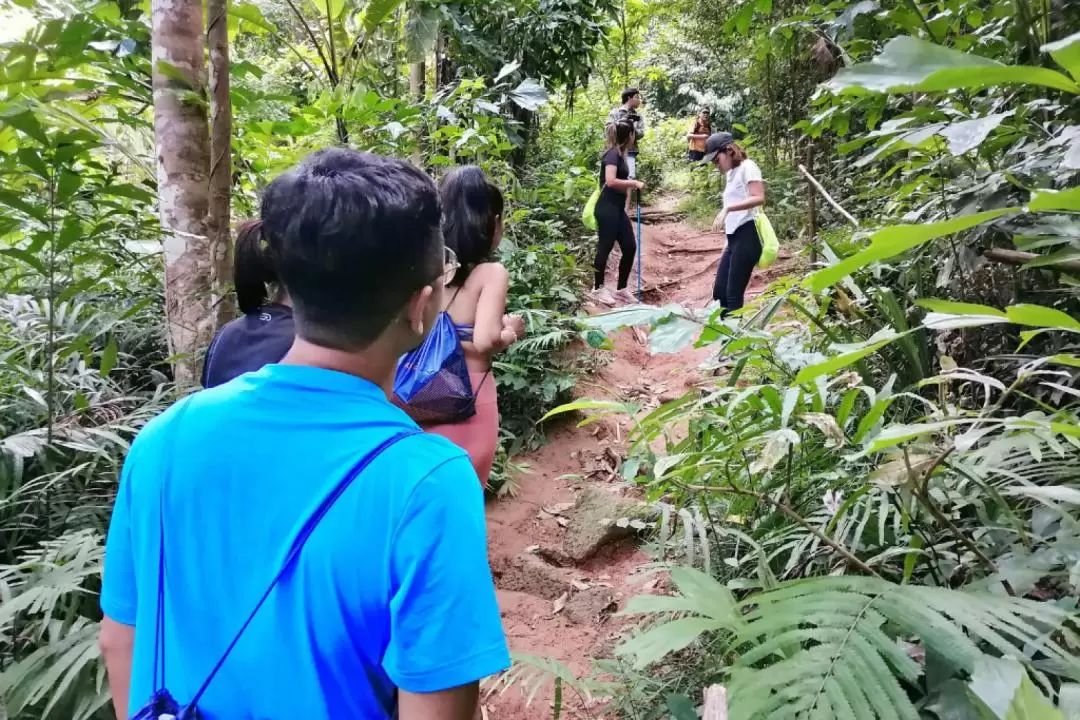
(891, 241)
(632, 315)
(705, 595)
(995, 682)
(909, 64)
(376, 12)
(597, 406)
(958, 308)
(1049, 200)
(965, 136)
(1030, 704)
(421, 31)
(850, 355)
(652, 645)
(672, 334)
(530, 95)
(1044, 317)
(948, 315)
(250, 13)
(1066, 52)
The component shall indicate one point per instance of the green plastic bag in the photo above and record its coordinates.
(770, 245)
(588, 215)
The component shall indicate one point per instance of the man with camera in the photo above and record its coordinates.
(628, 112)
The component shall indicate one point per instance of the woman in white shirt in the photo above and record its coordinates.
(744, 194)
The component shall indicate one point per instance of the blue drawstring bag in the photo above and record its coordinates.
(432, 383)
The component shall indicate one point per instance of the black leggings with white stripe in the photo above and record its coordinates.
(736, 266)
(613, 226)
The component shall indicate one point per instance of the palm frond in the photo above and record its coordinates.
(47, 620)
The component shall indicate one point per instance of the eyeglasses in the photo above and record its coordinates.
(450, 266)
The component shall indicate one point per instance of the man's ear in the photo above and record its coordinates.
(416, 309)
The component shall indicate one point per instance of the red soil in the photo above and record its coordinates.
(679, 262)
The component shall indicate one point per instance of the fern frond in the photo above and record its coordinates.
(829, 647)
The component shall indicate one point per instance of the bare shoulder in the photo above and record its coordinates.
(490, 272)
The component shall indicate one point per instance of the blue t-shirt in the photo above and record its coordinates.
(392, 590)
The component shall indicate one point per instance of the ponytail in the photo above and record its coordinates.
(252, 271)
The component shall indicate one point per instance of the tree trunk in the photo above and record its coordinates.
(444, 65)
(625, 47)
(417, 75)
(811, 199)
(219, 217)
(772, 107)
(183, 161)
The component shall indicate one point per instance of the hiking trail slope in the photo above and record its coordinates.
(558, 583)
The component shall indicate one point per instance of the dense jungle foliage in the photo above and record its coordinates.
(874, 511)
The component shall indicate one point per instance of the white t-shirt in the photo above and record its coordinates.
(736, 190)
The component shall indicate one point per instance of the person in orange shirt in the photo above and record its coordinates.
(699, 133)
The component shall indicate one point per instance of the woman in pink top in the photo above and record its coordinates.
(476, 301)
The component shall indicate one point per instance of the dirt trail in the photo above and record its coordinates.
(553, 606)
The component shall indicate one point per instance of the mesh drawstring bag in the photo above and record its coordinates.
(162, 705)
(432, 383)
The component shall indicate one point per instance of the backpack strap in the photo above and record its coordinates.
(298, 545)
(453, 298)
(294, 552)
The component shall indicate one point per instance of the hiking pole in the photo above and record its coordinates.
(640, 295)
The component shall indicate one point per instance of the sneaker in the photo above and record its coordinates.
(601, 296)
(625, 297)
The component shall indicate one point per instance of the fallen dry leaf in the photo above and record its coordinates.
(580, 585)
(558, 508)
(562, 521)
(560, 604)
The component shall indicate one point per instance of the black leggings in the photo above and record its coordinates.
(613, 225)
(736, 265)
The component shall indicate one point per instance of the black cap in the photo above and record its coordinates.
(716, 143)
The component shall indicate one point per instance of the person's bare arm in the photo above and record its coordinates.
(757, 198)
(456, 704)
(117, 643)
(490, 333)
(615, 184)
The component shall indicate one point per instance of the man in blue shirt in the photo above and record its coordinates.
(389, 610)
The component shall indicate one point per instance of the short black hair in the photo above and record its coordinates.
(629, 93)
(471, 210)
(353, 236)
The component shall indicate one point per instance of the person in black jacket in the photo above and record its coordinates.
(265, 331)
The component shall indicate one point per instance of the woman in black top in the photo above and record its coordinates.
(613, 224)
(265, 332)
